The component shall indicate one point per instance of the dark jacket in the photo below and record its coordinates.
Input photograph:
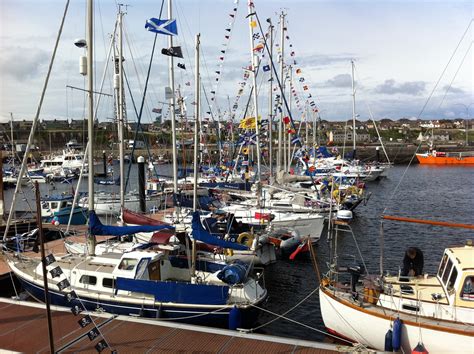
(415, 264)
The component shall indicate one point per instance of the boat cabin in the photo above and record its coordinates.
(456, 275)
(448, 295)
(54, 204)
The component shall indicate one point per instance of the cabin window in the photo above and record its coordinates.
(108, 283)
(452, 278)
(88, 279)
(127, 264)
(63, 204)
(441, 267)
(54, 205)
(154, 270)
(467, 290)
(449, 266)
(142, 271)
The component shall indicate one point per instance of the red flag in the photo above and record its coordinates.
(286, 120)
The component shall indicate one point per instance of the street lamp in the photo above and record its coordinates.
(466, 107)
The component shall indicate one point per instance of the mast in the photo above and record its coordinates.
(290, 94)
(353, 113)
(255, 63)
(11, 139)
(280, 124)
(270, 104)
(35, 123)
(196, 145)
(91, 241)
(172, 105)
(120, 109)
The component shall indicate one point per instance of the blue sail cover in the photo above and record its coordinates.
(322, 151)
(201, 234)
(97, 228)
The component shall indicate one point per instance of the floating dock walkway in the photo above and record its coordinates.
(23, 328)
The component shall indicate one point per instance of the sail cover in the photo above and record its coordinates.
(97, 228)
(201, 234)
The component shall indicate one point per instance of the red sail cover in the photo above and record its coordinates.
(161, 237)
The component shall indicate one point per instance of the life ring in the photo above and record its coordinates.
(245, 238)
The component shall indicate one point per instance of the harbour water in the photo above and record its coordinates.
(426, 192)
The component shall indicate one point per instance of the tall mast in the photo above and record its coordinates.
(11, 131)
(120, 110)
(290, 95)
(280, 124)
(255, 63)
(172, 106)
(91, 241)
(353, 112)
(197, 98)
(270, 104)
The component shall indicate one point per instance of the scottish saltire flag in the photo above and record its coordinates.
(167, 27)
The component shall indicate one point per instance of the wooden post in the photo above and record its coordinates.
(45, 272)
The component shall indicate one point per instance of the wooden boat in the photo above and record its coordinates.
(382, 312)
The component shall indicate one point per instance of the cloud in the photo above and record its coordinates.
(339, 81)
(22, 63)
(453, 90)
(391, 87)
(325, 59)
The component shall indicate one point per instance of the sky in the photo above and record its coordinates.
(402, 50)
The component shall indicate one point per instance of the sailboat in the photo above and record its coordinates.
(423, 313)
(152, 283)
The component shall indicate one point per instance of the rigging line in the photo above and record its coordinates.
(138, 126)
(421, 142)
(445, 68)
(35, 120)
(143, 97)
(300, 323)
(454, 77)
(135, 67)
(298, 142)
(189, 57)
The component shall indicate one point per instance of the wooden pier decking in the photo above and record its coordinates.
(23, 328)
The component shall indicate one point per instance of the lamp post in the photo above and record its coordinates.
(466, 107)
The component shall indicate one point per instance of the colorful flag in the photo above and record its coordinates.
(247, 123)
(167, 27)
(259, 47)
(266, 68)
(172, 52)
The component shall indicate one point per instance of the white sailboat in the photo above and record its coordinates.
(434, 313)
(149, 283)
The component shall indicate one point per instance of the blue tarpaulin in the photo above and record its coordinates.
(201, 234)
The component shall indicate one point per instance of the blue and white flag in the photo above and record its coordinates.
(167, 27)
(296, 140)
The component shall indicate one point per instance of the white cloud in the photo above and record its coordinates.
(391, 87)
(22, 63)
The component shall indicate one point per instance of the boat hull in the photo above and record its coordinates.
(429, 159)
(361, 325)
(187, 313)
